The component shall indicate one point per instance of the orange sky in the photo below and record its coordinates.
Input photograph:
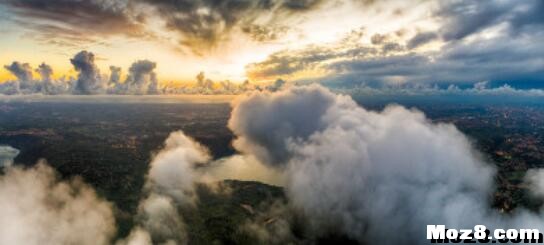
(226, 60)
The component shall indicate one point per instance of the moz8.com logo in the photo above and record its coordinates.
(480, 234)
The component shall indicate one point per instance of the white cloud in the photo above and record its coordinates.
(37, 208)
(365, 174)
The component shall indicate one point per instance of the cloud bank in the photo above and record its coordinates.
(140, 80)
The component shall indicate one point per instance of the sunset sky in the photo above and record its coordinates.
(339, 42)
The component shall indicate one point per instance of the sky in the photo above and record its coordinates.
(340, 43)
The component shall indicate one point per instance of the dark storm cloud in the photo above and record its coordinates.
(73, 19)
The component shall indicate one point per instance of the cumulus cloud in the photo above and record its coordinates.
(89, 80)
(45, 72)
(161, 220)
(22, 71)
(170, 186)
(141, 78)
(37, 208)
(7, 155)
(264, 135)
(364, 173)
(115, 75)
(137, 236)
(204, 84)
(48, 84)
(172, 170)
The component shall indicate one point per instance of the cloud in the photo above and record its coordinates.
(204, 24)
(472, 41)
(499, 60)
(170, 186)
(205, 85)
(37, 208)
(75, 22)
(311, 58)
(161, 221)
(9, 88)
(7, 155)
(89, 80)
(264, 135)
(137, 236)
(141, 78)
(22, 71)
(378, 39)
(241, 167)
(274, 225)
(421, 39)
(115, 75)
(263, 33)
(478, 89)
(171, 171)
(199, 25)
(464, 18)
(45, 72)
(48, 84)
(363, 173)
